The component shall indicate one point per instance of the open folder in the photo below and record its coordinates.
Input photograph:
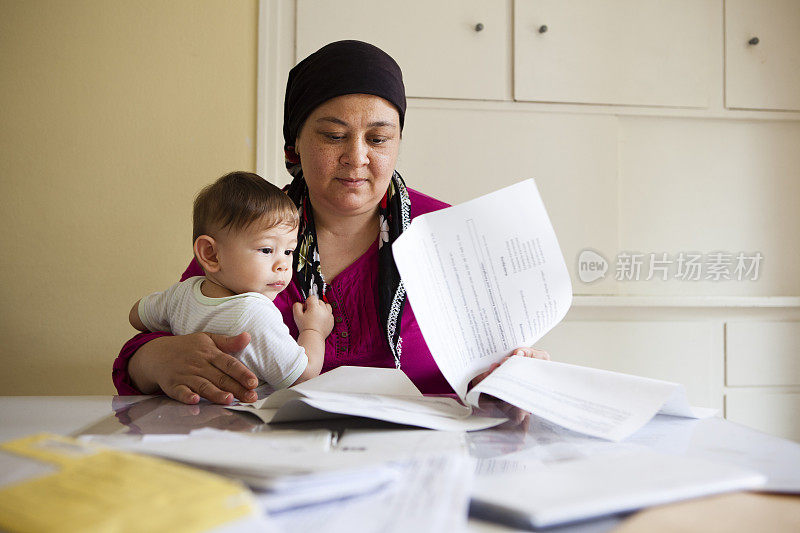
(485, 277)
(378, 393)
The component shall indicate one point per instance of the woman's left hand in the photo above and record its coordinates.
(524, 351)
(516, 416)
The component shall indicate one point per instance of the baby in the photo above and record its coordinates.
(245, 233)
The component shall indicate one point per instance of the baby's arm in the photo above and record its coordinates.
(314, 319)
(134, 319)
(152, 313)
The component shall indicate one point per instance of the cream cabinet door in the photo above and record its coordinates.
(760, 353)
(689, 353)
(762, 48)
(446, 49)
(771, 412)
(620, 52)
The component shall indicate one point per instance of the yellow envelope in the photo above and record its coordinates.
(98, 489)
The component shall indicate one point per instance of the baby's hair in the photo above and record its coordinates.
(238, 199)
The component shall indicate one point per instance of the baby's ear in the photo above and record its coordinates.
(205, 250)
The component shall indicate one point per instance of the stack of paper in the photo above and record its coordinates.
(608, 483)
(294, 467)
(372, 480)
(431, 494)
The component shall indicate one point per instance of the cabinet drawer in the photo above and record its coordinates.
(436, 43)
(771, 412)
(627, 52)
(764, 75)
(762, 353)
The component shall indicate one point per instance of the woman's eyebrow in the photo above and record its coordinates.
(381, 123)
(340, 122)
(334, 120)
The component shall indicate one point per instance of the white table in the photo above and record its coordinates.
(713, 438)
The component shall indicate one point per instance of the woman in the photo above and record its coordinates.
(343, 117)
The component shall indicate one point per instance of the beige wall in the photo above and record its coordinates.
(113, 115)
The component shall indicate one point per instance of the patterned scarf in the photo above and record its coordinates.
(394, 213)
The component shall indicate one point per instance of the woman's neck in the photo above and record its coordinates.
(347, 227)
(343, 239)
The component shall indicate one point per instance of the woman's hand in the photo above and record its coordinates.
(524, 351)
(188, 367)
(516, 416)
(162, 415)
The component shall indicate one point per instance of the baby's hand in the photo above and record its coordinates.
(313, 314)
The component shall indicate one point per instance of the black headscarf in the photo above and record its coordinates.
(347, 67)
(343, 67)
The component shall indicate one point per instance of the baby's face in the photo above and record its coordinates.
(257, 259)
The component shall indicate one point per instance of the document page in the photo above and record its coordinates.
(431, 494)
(604, 404)
(254, 453)
(483, 278)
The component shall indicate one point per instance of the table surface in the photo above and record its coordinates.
(711, 438)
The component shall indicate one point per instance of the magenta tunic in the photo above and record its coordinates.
(357, 338)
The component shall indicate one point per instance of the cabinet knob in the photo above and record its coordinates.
(542, 28)
(753, 41)
(479, 26)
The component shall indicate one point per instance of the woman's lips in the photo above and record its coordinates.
(354, 183)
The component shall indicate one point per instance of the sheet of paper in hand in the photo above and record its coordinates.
(484, 277)
(487, 276)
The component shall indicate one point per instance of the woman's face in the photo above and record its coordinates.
(348, 148)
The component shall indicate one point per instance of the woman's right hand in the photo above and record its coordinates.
(188, 367)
